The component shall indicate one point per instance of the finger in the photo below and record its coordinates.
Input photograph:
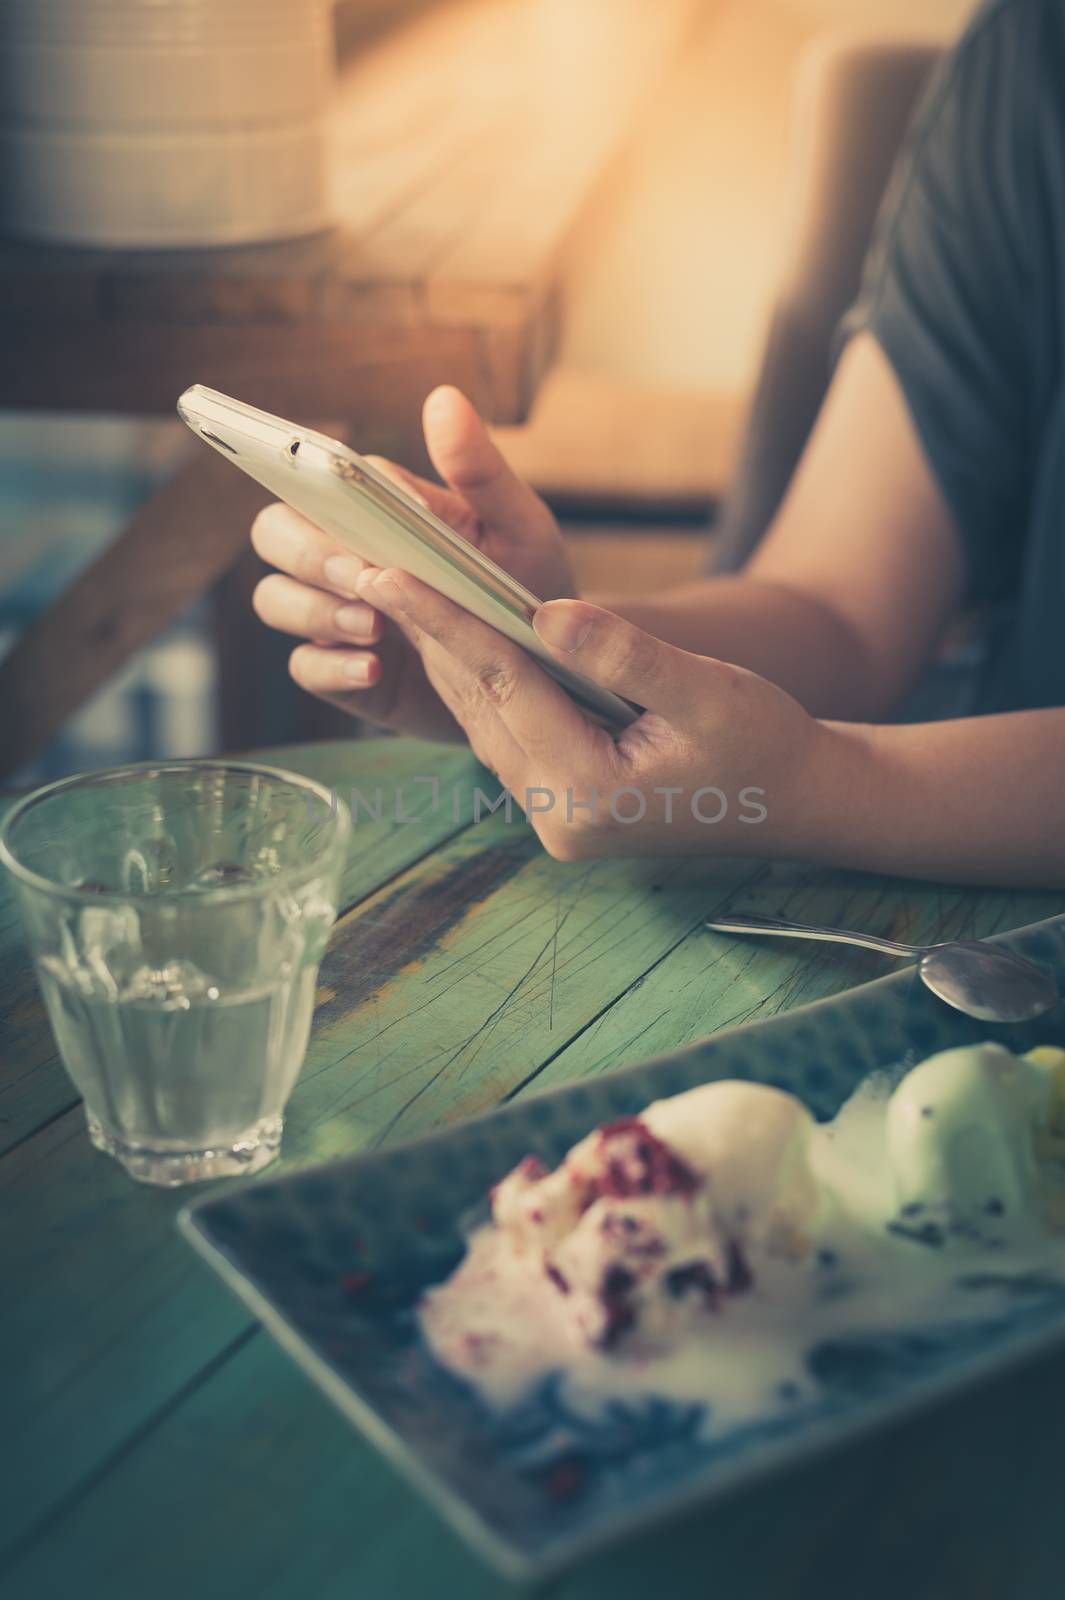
(489, 738)
(468, 460)
(328, 672)
(444, 503)
(401, 621)
(495, 675)
(624, 658)
(291, 607)
(288, 540)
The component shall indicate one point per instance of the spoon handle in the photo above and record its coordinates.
(800, 930)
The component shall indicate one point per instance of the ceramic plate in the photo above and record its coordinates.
(333, 1260)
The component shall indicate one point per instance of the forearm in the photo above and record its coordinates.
(974, 801)
(784, 634)
(848, 592)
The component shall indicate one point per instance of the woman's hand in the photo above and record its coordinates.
(353, 656)
(721, 760)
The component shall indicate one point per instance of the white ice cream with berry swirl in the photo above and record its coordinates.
(653, 1221)
(704, 1247)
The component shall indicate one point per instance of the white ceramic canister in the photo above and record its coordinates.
(165, 122)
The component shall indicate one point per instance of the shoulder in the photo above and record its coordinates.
(1007, 43)
(995, 20)
(995, 99)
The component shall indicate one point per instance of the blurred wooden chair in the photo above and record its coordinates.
(854, 101)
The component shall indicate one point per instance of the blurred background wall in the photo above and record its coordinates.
(666, 305)
(677, 274)
(673, 284)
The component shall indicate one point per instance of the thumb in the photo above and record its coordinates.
(467, 459)
(621, 657)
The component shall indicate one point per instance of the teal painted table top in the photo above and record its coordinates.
(155, 1442)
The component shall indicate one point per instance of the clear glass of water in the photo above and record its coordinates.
(177, 915)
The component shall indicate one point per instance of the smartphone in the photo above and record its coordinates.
(386, 525)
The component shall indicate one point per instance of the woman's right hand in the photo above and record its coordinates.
(353, 656)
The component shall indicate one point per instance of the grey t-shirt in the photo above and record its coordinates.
(964, 290)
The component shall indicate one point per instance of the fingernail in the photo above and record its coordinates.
(342, 573)
(357, 669)
(356, 620)
(562, 625)
(389, 592)
(275, 515)
(439, 400)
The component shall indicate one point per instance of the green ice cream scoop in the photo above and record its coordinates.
(968, 1132)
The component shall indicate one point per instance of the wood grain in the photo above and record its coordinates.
(34, 1088)
(149, 1418)
(375, 375)
(278, 1497)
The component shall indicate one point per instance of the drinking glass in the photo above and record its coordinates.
(177, 914)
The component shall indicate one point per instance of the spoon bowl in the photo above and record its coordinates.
(982, 980)
(985, 982)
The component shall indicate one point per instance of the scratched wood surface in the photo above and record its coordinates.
(155, 1439)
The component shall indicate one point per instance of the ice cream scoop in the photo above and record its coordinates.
(653, 1220)
(960, 1134)
(751, 1144)
(710, 1247)
(974, 1140)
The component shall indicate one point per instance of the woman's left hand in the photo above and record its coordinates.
(721, 761)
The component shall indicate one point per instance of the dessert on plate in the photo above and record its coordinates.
(704, 1247)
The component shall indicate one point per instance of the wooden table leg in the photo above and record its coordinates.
(258, 703)
(179, 542)
(190, 536)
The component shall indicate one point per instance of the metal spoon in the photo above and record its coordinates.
(980, 979)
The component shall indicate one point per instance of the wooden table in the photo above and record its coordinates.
(157, 1443)
(469, 144)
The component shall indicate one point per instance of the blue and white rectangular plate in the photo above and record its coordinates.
(333, 1260)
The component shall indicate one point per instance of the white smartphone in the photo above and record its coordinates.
(385, 525)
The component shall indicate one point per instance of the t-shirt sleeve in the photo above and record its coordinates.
(946, 290)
